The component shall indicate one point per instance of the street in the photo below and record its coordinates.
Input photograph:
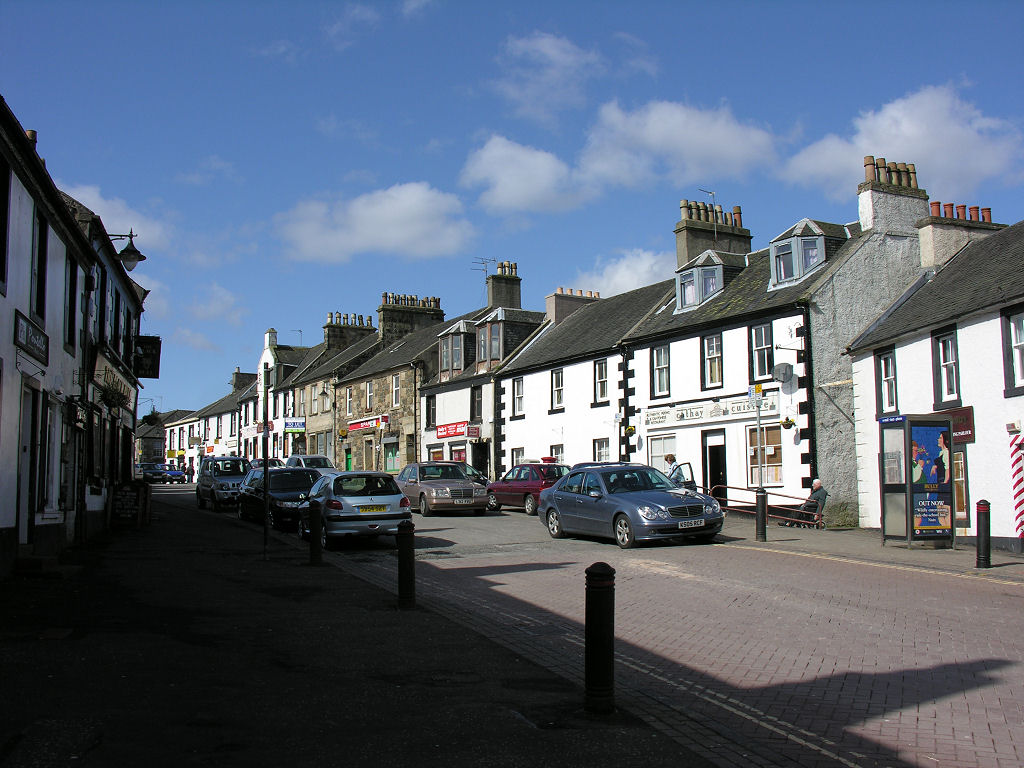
(773, 654)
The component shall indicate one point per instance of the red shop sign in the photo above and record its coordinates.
(452, 430)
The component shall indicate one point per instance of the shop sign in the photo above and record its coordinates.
(107, 377)
(147, 357)
(451, 430)
(705, 411)
(248, 431)
(963, 423)
(30, 338)
(370, 423)
(472, 431)
(293, 425)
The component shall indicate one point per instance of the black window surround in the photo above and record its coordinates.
(557, 390)
(880, 358)
(600, 365)
(712, 342)
(940, 371)
(657, 394)
(1014, 385)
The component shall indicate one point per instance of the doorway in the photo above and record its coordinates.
(713, 445)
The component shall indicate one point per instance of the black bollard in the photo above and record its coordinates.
(984, 559)
(316, 552)
(761, 514)
(406, 565)
(599, 639)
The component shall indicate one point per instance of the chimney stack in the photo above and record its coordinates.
(889, 198)
(702, 227)
(504, 289)
(560, 304)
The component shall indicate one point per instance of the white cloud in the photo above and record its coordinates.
(209, 169)
(519, 178)
(187, 337)
(637, 55)
(545, 74)
(954, 146)
(631, 269)
(412, 220)
(668, 140)
(659, 142)
(413, 7)
(343, 30)
(285, 50)
(119, 217)
(216, 304)
(158, 304)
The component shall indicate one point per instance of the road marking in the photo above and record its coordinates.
(892, 566)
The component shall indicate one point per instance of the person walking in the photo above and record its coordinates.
(670, 459)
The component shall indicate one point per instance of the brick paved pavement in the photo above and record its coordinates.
(817, 648)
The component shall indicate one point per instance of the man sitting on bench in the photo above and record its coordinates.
(814, 505)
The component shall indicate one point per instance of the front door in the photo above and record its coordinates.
(715, 478)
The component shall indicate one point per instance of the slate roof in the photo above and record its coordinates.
(330, 364)
(408, 348)
(986, 275)
(310, 358)
(591, 329)
(811, 227)
(225, 404)
(290, 355)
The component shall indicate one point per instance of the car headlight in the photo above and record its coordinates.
(479, 491)
(289, 504)
(713, 509)
(652, 513)
(443, 492)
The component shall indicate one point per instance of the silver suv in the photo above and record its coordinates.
(219, 480)
(315, 461)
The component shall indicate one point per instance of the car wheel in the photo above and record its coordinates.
(554, 521)
(530, 504)
(624, 532)
(271, 522)
(299, 529)
(325, 541)
(425, 507)
(200, 501)
(241, 514)
(492, 503)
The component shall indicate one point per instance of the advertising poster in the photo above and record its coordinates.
(931, 472)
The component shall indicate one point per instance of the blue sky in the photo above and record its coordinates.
(283, 160)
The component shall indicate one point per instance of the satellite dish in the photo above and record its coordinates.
(782, 372)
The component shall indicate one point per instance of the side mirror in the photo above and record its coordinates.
(594, 494)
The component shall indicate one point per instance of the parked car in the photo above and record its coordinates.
(629, 503)
(219, 480)
(153, 473)
(272, 461)
(472, 472)
(289, 487)
(173, 473)
(521, 485)
(354, 504)
(441, 486)
(312, 461)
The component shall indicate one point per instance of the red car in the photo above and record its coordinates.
(521, 485)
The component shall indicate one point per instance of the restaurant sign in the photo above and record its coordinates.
(704, 411)
(452, 430)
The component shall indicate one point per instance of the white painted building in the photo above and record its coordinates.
(952, 349)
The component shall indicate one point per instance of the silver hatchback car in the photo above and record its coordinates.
(354, 504)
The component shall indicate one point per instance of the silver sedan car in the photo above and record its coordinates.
(354, 504)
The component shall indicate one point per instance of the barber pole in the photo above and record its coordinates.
(1017, 479)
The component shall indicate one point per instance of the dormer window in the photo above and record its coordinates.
(796, 257)
(695, 286)
(451, 353)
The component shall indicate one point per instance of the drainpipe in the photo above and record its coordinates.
(415, 365)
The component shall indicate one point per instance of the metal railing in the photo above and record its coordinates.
(781, 511)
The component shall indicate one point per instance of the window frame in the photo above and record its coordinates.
(5, 220)
(557, 390)
(369, 394)
(941, 366)
(777, 465)
(518, 399)
(601, 381)
(70, 304)
(602, 450)
(40, 256)
(396, 390)
(657, 368)
(767, 348)
(712, 343)
(797, 247)
(882, 407)
(1013, 366)
(430, 411)
(696, 278)
(476, 403)
(348, 401)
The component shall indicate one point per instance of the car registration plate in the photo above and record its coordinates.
(463, 501)
(691, 523)
(372, 508)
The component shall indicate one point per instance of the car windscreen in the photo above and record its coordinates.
(636, 479)
(293, 480)
(442, 472)
(319, 462)
(552, 471)
(366, 485)
(230, 467)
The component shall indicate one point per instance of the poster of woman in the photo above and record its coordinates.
(930, 472)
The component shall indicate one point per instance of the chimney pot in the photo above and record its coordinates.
(912, 172)
(737, 216)
(936, 208)
(894, 174)
(974, 213)
(947, 210)
(869, 168)
(904, 178)
(32, 137)
(961, 211)
(684, 209)
(986, 214)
